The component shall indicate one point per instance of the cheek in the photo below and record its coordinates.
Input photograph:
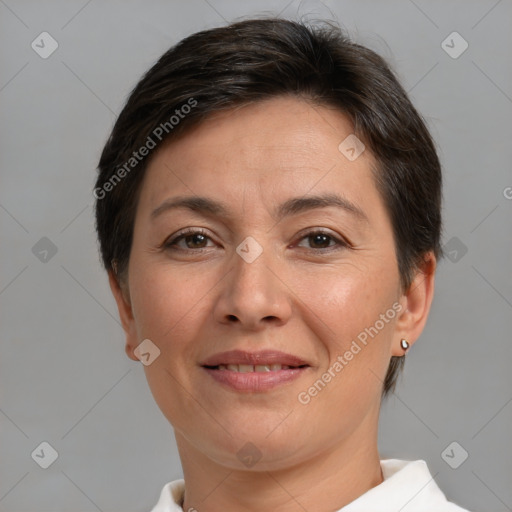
(164, 300)
(347, 388)
(347, 300)
(169, 307)
(352, 315)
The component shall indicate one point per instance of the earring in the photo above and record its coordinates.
(405, 345)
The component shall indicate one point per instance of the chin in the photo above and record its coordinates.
(258, 455)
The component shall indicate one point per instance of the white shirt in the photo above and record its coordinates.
(408, 486)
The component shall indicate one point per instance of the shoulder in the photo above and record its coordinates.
(171, 497)
(408, 486)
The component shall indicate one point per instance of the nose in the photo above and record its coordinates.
(253, 295)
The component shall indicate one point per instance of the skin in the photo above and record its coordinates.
(306, 297)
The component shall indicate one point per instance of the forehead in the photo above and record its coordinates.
(283, 128)
(284, 145)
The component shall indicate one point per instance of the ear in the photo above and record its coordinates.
(415, 303)
(125, 314)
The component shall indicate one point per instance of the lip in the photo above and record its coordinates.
(254, 358)
(254, 382)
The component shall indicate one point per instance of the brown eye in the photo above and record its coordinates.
(319, 240)
(323, 240)
(194, 239)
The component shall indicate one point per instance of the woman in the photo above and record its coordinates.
(268, 211)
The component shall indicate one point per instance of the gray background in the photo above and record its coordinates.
(65, 378)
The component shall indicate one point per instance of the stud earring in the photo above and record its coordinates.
(405, 345)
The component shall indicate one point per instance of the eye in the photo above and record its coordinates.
(193, 238)
(319, 239)
(198, 239)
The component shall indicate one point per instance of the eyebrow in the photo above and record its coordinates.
(290, 207)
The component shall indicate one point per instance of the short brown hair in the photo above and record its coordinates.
(258, 59)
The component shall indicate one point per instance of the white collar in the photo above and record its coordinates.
(408, 486)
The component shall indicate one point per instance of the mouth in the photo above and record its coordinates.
(254, 371)
(250, 368)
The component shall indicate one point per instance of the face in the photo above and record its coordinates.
(254, 233)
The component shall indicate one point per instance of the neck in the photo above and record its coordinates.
(328, 481)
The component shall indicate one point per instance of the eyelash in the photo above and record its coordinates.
(170, 244)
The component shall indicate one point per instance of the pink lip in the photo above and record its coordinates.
(254, 381)
(254, 358)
